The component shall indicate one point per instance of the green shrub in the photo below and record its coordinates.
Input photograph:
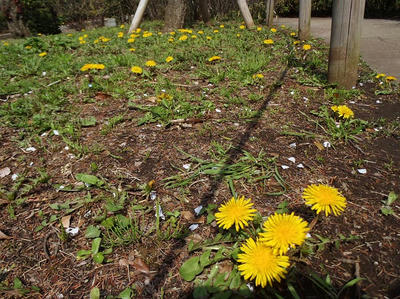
(40, 17)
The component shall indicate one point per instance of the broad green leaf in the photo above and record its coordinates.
(107, 251)
(191, 268)
(17, 283)
(95, 293)
(205, 258)
(293, 291)
(236, 280)
(200, 292)
(83, 254)
(350, 284)
(98, 257)
(126, 294)
(92, 232)
(391, 198)
(96, 245)
(386, 210)
(89, 179)
(113, 206)
(88, 122)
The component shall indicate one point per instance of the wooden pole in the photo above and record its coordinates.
(244, 9)
(304, 19)
(269, 10)
(138, 15)
(347, 16)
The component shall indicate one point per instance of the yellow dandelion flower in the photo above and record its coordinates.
(296, 42)
(380, 76)
(242, 27)
(43, 54)
(208, 37)
(194, 36)
(259, 28)
(306, 47)
(283, 26)
(147, 34)
(183, 37)
(169, 59)
(138, 30)
(324, 198)
(273, 30)
(283, 231)
(200, 32)
(80, 38)
(95, 41)
(6, 44)
(292, 33)
(171, 39)
(131, 40)
(132, 49)
(390, 78)
(136, 70)
(92, 66)
(172, 33)
(214, 58)
(343, 111)
(238, 34)
(69, 34)
(236, 211)
(268, 41)
(259, 262)
(120, 34)
(150, 63)
(216, 31)
(258, 76)
(222, 26)
(85, 35)
(28, 47)
(133, 35)
(122, 26)
(82, 42)
(39, 34)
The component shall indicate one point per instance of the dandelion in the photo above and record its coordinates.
(235, 211)
(292, 33)
(259, 28)
(200, 32)
(82, 42)
(122, 26)
(268, 41)
(306, 47)
(390, 78)
(151, 63)
(132, 49)
(95, 41)
(69, 34)
(258, 76)
(183, 37)
(194, 36)
(324, 198)
(283, 231)
(120, 34)
(259, 262)
(28, 47)
(136, 70)
(216, 31)
(273, 30)
(138, 30)
(147, 34)
(43, 54)
(131, 40)
(172, 33)
(238, 34)
(171, 39)
(296, 42)
(222, 26)
(283, 26)
(169, 59)
(214, 58)
(208, 37)
(85, 36)
(6, 44)
(343, 111)
(92, 66)
(380, 76)
(242, 27)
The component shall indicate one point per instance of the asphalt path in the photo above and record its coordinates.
(380, 41)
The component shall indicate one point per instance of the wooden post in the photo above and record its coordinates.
(138, 15)
(304, 19)
(269, 12)
(244, 9)
(347, 16)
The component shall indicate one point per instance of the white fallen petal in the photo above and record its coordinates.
(327, 144)
(72, 231)
(308, 235)
(292, 159)
(292, 92)
(30, 164)
(159, 125)
(153, 195)
(193, 227)
(293, 145)
(198, 210)
(44, 134)
(66, 148)
(251, 288)
(305, 99)
(160, 213)
(4, 172)
(285, 167)
(61, 187)
(14, 176)
(300, 165)
(362, 170)
(44, 73)
(378, 102)
(187, 166)
(87, 214)
(218, 110)
(55, 132)
(352, 102)
(30, 149)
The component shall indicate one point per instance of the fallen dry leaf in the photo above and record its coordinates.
(187, 215)
(101, 96)
(4, 172)
(3, 202)
(123, 262)
(3, 236)
(65, 221)
(319, 145)
(141, 266)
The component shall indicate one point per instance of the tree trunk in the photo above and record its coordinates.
(344, 49)
(13, 11)
(244, 9)
(174, 15)
(203, 9)
(269, 11)
(304, 19)
(138, 15)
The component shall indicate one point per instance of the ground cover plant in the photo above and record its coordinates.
(164, 164)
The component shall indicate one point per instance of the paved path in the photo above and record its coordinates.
(380, 41)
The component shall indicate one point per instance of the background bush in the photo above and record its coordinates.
(40, 17)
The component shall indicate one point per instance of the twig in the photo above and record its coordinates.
(45, 243)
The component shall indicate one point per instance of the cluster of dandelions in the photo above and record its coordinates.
(266, 258)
